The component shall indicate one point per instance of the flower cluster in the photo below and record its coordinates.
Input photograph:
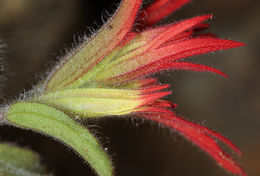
(110, 74)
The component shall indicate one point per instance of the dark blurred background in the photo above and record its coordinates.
(37, 32)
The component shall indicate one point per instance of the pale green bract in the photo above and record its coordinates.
(93, 102)
(54, 123)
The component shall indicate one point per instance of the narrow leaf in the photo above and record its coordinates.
(54, 123)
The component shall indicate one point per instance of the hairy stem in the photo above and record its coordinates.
(2, 116)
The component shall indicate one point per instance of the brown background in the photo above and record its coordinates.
(36, 31)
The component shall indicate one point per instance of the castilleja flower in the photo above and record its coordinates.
(110, 74)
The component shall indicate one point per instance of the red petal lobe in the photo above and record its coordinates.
(202, 138)
(160, 9)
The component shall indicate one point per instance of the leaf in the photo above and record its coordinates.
(54, 123)
(16, 161)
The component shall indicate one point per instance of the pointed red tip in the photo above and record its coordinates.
(230, 43)
(149, 98)
(150, 109)
(189, 66)
(208, 16)
(197, 67)
(154, 88)
(239, 44)
(164, 104)
(160, 9)
(147, 82)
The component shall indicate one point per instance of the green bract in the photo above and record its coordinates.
(94, 102)
(81, 66)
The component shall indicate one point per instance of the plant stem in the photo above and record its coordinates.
(2, 116)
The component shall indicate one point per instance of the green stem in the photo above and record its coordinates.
(2, 116)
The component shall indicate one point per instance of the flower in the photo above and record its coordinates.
(110, 74)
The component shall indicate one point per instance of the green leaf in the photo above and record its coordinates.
(15, 161)
(54, 123)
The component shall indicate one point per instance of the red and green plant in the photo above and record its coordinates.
(111, 73)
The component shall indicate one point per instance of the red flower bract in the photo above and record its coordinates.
(119, 57)
(163, 47)
(159, 9)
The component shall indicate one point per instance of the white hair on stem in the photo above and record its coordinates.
(3, 46)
